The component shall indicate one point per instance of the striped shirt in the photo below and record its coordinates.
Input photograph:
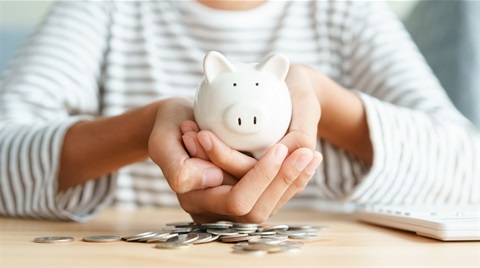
(102, 58)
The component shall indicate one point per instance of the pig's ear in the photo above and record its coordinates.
(275, 64)
(214, 64)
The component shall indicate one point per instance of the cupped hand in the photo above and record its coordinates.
(252, 190)
(166, 149)
(295, 172)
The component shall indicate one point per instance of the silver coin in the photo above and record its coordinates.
(234, 238)
(253, 237)
(313, 228)
(240, 245)
(222, 232)
(246, 231)
(138, 236)
(276, 228)
(249, 252)
(282, 237)
(53, 239)
(163, 237)
(294, 232)
(307, 236)
(183, 238)
(173, 245)
(211, 239)
(263, 247)
(291, 244)
(264, 233)
(178, 229)
(202, 238)
(181, 224)
(266, 241)
(215, 226)
(293, 250)
(102, 238)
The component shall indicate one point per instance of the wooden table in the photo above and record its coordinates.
(347, 243)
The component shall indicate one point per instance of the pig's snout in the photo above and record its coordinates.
(245, 118)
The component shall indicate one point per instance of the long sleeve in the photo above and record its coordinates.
(52, 83)
(425, 151)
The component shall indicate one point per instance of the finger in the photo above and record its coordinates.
(182, 172)
(193, 146)
(301, 182)
(230, 160)
(290, 172)
(189, 125)
(306, 110)
(196, 150)
(210, 213)
(239, 199)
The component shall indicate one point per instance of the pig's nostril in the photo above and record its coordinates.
(239, 121)
(254, 120)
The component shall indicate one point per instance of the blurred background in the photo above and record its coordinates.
(447, 33)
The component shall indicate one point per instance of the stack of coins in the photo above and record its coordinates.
(249, 238)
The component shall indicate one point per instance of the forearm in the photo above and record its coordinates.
(95, 148)
(343, 121)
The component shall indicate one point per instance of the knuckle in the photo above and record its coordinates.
(256, 217)
(288, 178)
(303, 140)
(301, 183)
(178, 182)
(219, 158)
(264, 173)
(235, 207)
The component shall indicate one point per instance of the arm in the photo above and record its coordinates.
(344, 120)
(91, 151)
(424, 151)
(51, 85)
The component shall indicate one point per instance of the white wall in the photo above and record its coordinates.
(23, 12)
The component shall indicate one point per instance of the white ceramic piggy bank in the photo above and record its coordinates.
(247, 106)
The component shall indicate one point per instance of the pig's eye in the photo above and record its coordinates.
(234, 84)
(256, 84)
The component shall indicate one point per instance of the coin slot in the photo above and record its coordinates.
(239, 121)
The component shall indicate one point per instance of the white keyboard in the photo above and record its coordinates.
(447, 223)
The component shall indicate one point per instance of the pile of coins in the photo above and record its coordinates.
(250, 239)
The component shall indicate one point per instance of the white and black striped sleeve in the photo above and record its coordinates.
(53, 78)
(425, 151)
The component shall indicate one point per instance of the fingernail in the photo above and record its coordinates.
(205, 141)
(312, 167)
(303, 161)
(190, 145)
(280, 153)
(211, 177)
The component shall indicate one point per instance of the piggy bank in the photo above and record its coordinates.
(247, 106)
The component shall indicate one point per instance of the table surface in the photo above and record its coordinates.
(346, 243)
